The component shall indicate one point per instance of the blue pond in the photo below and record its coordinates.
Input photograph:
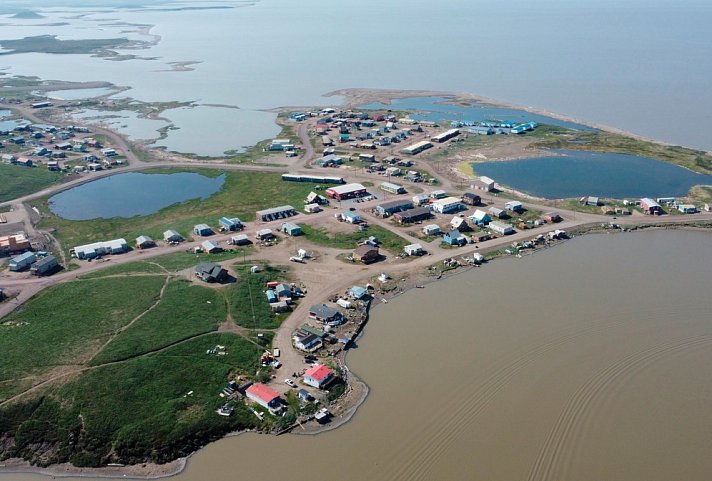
(434, 110)
(131, 194)
(577, 173)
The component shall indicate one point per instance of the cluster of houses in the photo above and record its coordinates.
(492, 127)
(50, 145)
(647, 205)
(38, 265)
(318, 376)
(309, 338)
(281, 295)
(19, 246)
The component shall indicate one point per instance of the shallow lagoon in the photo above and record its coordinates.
(131, 194)
(576, 173)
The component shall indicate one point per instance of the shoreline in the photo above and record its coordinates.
(355, 384)
(357, 96)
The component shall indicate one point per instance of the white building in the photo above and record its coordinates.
(447, 205)
(501, 228)
(414, 250)
(89, 251)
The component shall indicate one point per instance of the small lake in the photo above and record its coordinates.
(132, 194)
(11, 124)
(435, 109)
(125, 122)
(212, 130)
(578, 173)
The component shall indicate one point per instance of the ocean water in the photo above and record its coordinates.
(525, 369)
(640, 66)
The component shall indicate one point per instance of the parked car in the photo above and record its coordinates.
(290, 383)
(276, 364)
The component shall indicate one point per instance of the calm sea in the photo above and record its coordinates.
(642, 66)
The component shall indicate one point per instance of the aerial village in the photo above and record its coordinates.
(390, 185)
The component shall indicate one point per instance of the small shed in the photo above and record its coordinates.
(431, 229)
(497, 213)
(501, 228)
(240, 240)
(366, 254)
(552, 217)
(291, 229)
(230, 224)
(514, 206)
(144, 242)
(172, 236)
(211, 247)
(358, 292)
(283, 291)
(202, 230)
(264, 234)
(271, 296)
(44, 266)
(22, 261)
(414, 250)
(351, 217)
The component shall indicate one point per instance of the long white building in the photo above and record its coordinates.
(89, 251)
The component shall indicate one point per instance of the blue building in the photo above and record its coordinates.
(454, 238)
(271, 296)
(230, 224)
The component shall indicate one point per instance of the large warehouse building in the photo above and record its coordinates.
(89, 251)
(347, 191)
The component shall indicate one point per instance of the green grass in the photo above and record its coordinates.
(137, 410)
(18, 180)
(138, 267)
(700, 194)
(186, 310)
(696, 160)
(183, 260)
(242, 194)
(247, 300)
(66, 323)
(349, 240)
(168, 263)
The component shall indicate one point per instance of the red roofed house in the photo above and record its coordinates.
(265, 397)
(318, 376)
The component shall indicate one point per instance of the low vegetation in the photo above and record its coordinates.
(65, 325)
(18, 181)
(134, 411)
(248, 304)
(349, 240)
(185, 311)
(696, 160)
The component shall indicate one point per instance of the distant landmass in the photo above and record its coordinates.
(27, 14)
(50, 44)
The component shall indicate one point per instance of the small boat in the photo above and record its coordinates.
(384, 300)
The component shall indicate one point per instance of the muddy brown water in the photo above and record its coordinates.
(588, 361)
